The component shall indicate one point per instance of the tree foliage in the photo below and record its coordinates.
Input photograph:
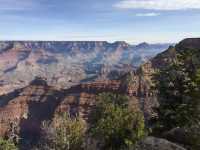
(115, 124)
(63, 134)
(7, 145)
(178, 89)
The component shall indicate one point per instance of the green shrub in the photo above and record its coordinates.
(115, 125)
(178, 88)
(63, 134)
(7, 145)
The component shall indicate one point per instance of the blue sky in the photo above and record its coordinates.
(134, 21)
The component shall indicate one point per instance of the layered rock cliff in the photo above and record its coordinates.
(30, 106)
(65, 64)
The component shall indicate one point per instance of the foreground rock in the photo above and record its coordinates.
(152, 143)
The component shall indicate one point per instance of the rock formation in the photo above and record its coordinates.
(65, 64)
(152, 143)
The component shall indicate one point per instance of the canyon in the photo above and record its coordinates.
(39, 100)
(26, 106)
(64, 63)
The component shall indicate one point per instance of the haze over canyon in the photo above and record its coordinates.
(64, 63)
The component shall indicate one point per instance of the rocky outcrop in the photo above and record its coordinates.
(190, 43)
(152, 143)
(163, 60)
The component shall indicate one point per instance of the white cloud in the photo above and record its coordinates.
(159, 4)
(147, 14)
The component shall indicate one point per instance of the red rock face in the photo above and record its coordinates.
(28, 107)
(38, 102)
(77, 104)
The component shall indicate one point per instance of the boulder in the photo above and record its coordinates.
(153, 143)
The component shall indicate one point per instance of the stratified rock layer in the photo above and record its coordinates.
(68, 63)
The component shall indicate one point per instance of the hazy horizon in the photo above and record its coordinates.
(110, 42)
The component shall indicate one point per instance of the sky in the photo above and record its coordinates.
(134, 21)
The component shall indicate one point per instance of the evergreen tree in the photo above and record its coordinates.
(178, 89)
(115, 124)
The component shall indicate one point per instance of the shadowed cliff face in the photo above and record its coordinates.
(190, 43)
(30, 106)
